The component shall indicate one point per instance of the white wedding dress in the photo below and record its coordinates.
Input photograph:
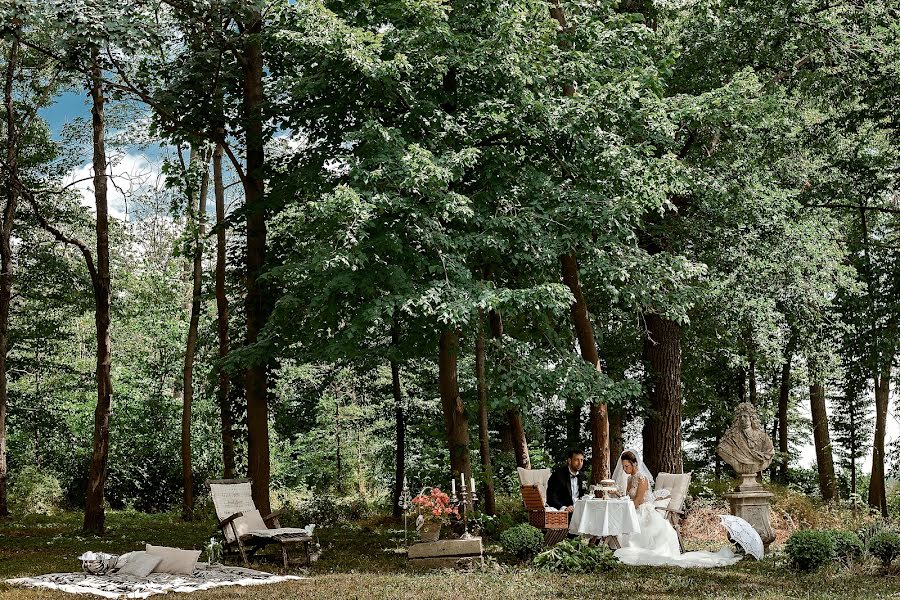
(657, 542)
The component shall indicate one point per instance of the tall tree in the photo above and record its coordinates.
(821, 435)
(257, 306)
(224, 379)
(197, 224)
(490, 503)
(6, 256)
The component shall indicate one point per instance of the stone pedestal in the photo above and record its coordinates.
(446, 554)
(751, 502)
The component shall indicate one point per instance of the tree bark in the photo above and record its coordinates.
(399, 421)
(515, 425)
(187, 475)
(222, 319)
(821, 437)
(784, 396)
(584, 332)
(662, 427)
(6, 257)
(877, 493)
(455, 420)
(490, 505)
(256, 303)
(95, 510)
(616, 440)
(339, 477)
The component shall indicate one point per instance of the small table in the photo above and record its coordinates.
(604, 518)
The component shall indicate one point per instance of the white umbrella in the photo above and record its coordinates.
(744, 535)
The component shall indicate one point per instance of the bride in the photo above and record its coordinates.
(657, 542)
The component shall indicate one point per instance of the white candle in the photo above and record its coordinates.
(453, 486)
(472, 479)
(462, 480)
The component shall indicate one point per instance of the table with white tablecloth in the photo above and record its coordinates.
(603, 518)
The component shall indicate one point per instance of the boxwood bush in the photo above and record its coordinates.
(522, 541)
(847, 545)
(885, 546)
(809, 549)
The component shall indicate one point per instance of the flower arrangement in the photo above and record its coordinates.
(434, 507)
(214, 551)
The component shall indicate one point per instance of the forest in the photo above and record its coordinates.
(341, 247)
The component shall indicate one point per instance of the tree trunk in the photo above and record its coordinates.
(616, 441)
(256, 302)
(585, 334)
(515, 425)
(490, 506)
(94, 511)
(784, 396)
(339, 468)
(821, 437)
(6, 257)
(222, 319)
(754, 398)
(662, 427)
(455, 420)
(187, 475)
(399, 421)
(877, 494)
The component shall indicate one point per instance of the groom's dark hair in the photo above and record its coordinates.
(573, 452)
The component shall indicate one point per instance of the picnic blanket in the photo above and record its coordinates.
(126, 586)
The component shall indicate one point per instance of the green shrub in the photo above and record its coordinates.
(809, 549)
(885, 546)
(847, 545)
(35, 491)
(522, 541)
(576, 556)
(870, 530)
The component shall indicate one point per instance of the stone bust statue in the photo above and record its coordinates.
(745, 446)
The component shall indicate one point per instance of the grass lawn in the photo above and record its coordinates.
(359, 562)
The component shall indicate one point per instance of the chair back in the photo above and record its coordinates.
(532, 480)
(677, 484)
(231, 496)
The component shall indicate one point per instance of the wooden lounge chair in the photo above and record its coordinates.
(533, 485)
(244, 529)
(672, 508)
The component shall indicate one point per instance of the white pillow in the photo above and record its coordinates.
(250, 521)
(174, 560)
(139, 564)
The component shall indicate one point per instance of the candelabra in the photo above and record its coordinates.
(404, 503)
(467, 497)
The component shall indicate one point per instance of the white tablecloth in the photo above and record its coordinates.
(595, 516)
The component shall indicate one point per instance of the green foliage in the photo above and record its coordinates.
(847, 545)
(885, 546)
(35, 491)
(522, 541)
(576, 556)
(810, 549)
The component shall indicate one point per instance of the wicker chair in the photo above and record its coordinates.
(672, 508)
(533, 485)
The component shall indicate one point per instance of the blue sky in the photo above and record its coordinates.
(65, 107)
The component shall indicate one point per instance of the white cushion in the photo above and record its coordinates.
(139, 564)
(677, 484)
(174, 560)
(538, 477)
(249, 522)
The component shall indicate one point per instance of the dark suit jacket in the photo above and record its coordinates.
(559, 488)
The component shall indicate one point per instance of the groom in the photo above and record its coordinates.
(566, 483)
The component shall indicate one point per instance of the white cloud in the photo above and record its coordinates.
(129, 176)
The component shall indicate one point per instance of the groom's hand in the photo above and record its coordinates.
(570, 508)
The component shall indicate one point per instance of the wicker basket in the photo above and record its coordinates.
(543, 519)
